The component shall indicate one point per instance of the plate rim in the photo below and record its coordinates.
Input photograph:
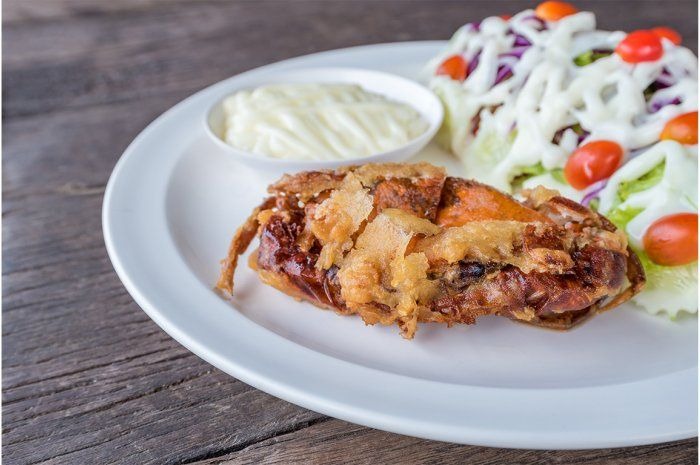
(485, 435)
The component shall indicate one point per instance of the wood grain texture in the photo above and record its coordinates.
(87, 377)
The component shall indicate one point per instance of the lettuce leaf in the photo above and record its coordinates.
(620, 217)
(643, 183)
(669, 288)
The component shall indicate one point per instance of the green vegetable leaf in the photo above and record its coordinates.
(621, 217)
(530, 171)
(591, 56)
(523, 173)
(595, 203)
(643, 183)
(558, 174)
(668, 277)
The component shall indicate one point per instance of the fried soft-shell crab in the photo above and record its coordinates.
(404, 243)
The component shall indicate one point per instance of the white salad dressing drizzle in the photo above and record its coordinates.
(318, 121)
(548, 91)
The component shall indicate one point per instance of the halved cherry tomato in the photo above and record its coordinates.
(673, 239)
(668, 33)
(592, 162)
(554, 11)
(682, 128)
(639, 46)
(505, 17)
(455, 67)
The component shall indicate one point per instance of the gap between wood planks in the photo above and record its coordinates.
(238, 447)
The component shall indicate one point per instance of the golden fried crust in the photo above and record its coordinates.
(240, 242)
(404, 244)
(307, 184)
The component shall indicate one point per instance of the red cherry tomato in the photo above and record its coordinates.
(505, 17)
(554, 11)
(592, 162)
(682, 128)
(639, 46)
(668, 33)
(673, 239)
(455, 67)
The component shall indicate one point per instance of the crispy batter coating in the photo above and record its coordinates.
(404, 244)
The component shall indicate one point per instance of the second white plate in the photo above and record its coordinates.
(171, 206)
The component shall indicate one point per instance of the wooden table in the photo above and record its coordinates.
(87, 377)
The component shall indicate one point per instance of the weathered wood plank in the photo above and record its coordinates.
(336, 441)
(14, 11)
(81, 61)
(88, 378)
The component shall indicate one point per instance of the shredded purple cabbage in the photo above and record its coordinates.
(508, 59)
(665, 78)
(541, 24)
(580, 132)
(473, 63)
(520, 41)
(593, 191)
(504, 72)
(659, 104)
(663, 81)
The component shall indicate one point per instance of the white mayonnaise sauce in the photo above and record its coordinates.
(318, 122)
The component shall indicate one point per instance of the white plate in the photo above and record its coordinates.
(174, 201)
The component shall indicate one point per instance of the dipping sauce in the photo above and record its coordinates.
(318, 122)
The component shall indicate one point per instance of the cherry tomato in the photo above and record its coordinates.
(639, 46)
(554, 11)
(668, 33)
(673, 239)
(682, 128)
(455, 67)
(592, 162)
(505, 17)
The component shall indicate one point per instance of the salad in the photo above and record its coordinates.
(607, 118)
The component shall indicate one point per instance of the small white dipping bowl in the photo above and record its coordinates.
(393, 87)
